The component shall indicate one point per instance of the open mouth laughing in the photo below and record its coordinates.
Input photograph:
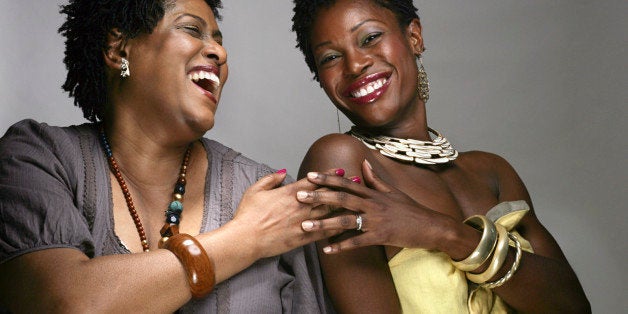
(208, 81)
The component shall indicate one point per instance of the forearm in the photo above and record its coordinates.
(540, 284)
(65, 280)
(231, 248)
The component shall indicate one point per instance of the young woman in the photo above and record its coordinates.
(140, 178)
(433, 236)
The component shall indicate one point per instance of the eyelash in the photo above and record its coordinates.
(193, 29)
(328, 59)
(370, 37)
(197, 32)
(365, 42)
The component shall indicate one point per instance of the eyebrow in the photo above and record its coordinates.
(353, 29)
(196, 17)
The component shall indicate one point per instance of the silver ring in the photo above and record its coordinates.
(358, 221)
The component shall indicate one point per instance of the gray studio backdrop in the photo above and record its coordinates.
(542, 83)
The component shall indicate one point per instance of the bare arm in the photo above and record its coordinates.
(544, 282)
(359, 281)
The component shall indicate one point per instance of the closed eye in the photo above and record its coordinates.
(194, 30)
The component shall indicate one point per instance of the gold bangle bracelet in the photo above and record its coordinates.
(484, 248)
(198, 266)
(499, 256)
(513, 268)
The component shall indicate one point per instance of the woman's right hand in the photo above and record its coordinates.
(272, 215)
(389, 216)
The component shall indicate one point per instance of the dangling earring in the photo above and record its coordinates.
(424, 84)
(124, 68)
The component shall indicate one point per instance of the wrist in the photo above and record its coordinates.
(458, 240)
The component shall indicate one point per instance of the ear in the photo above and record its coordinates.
(413, 32)
(116, 49)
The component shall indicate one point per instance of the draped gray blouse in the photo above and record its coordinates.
(55, 192)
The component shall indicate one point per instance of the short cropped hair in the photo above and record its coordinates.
(305, 12)
(85, 30)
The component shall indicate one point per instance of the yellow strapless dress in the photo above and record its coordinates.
(427, 282)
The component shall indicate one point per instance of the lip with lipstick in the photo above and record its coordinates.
(206, 79)
(369, 88)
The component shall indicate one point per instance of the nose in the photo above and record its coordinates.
(215, 51)
(357, 62)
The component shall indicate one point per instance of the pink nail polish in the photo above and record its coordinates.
(356, 179)
(281, 170)
(340, 172)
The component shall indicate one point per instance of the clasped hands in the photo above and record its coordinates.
(388, 216)
(278, 218)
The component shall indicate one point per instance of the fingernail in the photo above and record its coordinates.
(281, 170)
(368, 164)
(302, 195)
(312, 175)
(327, 249)
(340, 172)
(307, 225)
(356, 179)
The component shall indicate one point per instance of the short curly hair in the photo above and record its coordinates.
(85, 30)
(305, 12)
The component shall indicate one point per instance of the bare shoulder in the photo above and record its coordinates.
(484, 163)
(334, 151)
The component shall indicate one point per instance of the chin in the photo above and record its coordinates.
(201, 126)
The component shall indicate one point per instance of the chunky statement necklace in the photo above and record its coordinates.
(173, 213)
(438, 151)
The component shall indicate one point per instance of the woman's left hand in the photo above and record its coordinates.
(388, 216)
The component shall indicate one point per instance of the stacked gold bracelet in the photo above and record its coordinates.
(194, 258)
(484, 248)
(494, 242)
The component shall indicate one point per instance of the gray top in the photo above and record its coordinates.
(55, 191)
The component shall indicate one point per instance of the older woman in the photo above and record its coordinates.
(139, 178)
(439, 230)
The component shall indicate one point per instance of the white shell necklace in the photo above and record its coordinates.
(438, 151)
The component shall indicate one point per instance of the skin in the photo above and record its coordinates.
(409, 206)
(152, 117)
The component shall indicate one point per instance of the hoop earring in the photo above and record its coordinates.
(124, 68)
(424, 84)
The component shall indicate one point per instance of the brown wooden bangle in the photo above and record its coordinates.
(198, 266)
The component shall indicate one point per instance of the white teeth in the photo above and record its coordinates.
(371, 87)
(214, 78)
(204, 75)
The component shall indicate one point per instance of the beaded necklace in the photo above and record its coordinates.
(173, 213)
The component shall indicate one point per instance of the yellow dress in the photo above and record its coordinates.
(427, 282)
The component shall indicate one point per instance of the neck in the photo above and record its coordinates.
(411, 125)
(145, 161)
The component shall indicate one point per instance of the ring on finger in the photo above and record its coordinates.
(358, 222)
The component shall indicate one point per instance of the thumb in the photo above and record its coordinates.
(269, 182)
(372, 180)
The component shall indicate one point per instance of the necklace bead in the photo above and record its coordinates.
(173, 214)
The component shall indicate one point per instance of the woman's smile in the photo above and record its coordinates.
(206, 79)
(369, 88)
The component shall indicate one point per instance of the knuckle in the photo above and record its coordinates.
(342, 196)
(344, 221)
(315, 195)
